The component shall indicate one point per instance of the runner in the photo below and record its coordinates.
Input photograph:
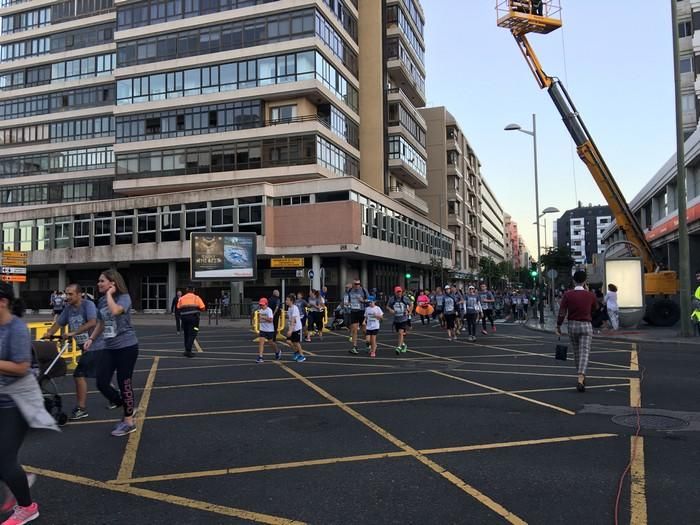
(373, 317)
(450, 313)
(121, 347)
(303, 307)
(80, 315)
(439, 306)
(472, 308)
(15, 360)
(424, 308)
(355, 299)
(267, 330)
(487, 300)
(401, 307)
(316, 306)
(294, 328)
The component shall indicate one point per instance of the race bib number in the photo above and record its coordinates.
(109, 330)
(81, 339)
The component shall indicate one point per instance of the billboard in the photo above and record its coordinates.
(223, 256)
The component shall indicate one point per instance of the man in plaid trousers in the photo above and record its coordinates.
(578, 306)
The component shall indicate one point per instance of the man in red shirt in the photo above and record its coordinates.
(578, 306)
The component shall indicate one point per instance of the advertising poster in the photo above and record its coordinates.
(223, 256)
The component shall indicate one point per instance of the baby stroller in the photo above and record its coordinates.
(338, 318)
(48, 366)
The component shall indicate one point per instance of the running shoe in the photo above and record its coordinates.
(22, 515)
(308, 339)
(188, 354)
(122, 429)
(369, 345)
(278, 355)
(404, 348)
(78, 413)
(294, 357)
(300, 358)
(484, 332)
(353, 350)
(397, 350)
(373, 354)
(9, 501)
(493, 329)
(259, 359)
(113, 406)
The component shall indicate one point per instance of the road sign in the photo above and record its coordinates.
(283, 273)
(13, 278)
(287, 262)
(311, 274)
(552, 273)
(11, 270)
(300, 273)
(14, 258)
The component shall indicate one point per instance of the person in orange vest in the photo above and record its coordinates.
(190, 306)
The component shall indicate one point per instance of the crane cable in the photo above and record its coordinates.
(566, 80)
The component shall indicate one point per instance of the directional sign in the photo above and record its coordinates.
(14, 258)
(283, 273)
(552, 273)
(13, 278)
(11, 270)
(287, 262)
(311, 274)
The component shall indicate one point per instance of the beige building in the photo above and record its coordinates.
(493, 228)
(244, 115)
(454, 188)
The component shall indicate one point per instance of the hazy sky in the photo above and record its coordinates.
(618, 69)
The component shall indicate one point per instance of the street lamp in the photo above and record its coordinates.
(550, 209)
(533, 134)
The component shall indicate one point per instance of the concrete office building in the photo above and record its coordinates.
(512, 241)
(159, 119)
(689, 49)
(581, 230)
(493, 228)
(453, 194)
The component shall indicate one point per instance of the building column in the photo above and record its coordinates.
(421, 282)
(316, 267)
(364, 277)
(172, 282)
(343, 273)
(62, 278)
(236, 297)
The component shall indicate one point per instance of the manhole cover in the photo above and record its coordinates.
(650, 422)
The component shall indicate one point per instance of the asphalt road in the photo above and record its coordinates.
(450, 432)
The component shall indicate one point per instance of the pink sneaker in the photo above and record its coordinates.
(372, 354)
(493, 329)
(9, 500)
(23, 515)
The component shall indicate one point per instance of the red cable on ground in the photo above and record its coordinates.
(633, 456)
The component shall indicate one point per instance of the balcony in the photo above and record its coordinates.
(454, 171)
(405, 171)
(398, 95)
(408, 197)
(410, 82)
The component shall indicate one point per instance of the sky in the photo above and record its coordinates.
(615, 59)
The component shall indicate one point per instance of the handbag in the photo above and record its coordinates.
(560, 351)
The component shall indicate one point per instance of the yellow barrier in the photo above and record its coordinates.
(37, 331)
(282, 322)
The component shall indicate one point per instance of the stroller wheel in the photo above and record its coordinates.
(61, 419)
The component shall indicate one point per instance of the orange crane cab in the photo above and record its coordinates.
(521, 17)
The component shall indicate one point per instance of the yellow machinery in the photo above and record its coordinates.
(544, 16)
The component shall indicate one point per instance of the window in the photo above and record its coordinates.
(102, 225)
(195, 218)
(688, 103)
(686, 65)
(170, 220)
(147, 221)
(685, 29)
(283, 113)
(81, 231)
(124, 227)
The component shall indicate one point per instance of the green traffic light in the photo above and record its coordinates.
(533, 273)
(408, 276)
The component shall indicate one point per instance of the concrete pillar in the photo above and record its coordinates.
(364, 277)
(62, 278)
(172, 282)
(237, 299)
(15, 289)
(316, 267)
(343, 273)
(421, 282)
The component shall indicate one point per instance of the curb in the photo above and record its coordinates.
(628, 339)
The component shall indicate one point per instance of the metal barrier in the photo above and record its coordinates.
(37, 331)
(255, 322)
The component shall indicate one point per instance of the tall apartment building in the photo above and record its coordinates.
(493, 228)
(512, 241)
(157, 119)
(581, 229)
(454, 187)
(689, 48)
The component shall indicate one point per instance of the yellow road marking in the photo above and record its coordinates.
(638, 498)
(538, 374)
(126, 470)
(511, 394)
(166, 498)
(350, 403)
(634, 359)
(635, 393)
(479, 496)
(364, 457)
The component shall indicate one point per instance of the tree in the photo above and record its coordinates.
(438, 270)
(558, 259)
(489, 270)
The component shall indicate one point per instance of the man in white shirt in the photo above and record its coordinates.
(267, 330)
(294, 328)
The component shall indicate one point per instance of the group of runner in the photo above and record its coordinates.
(452, 308)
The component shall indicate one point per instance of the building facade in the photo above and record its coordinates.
(656, 210)
(512, 241)
(581, 230)
(454, 187)
(493, 228)
(689, 49)
(160, 119)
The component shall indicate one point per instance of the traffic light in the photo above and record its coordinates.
(533, 270)
(408, 275)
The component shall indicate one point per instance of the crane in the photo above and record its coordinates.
(522, 17)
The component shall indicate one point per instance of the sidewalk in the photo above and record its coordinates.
(643, 333)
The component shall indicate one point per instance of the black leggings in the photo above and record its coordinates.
(121, 360)
(13, 428)
(470, 318)
(316, 321)
(488, 314)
